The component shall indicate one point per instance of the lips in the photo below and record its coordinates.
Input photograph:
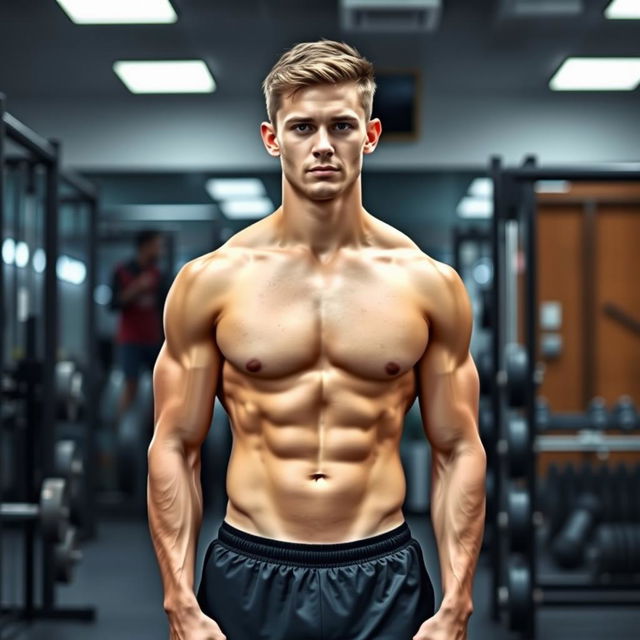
(324, 169)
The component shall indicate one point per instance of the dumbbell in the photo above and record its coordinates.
(52, 512)
(569, 545)
(616, 549)
(596, 417)
(624, 414)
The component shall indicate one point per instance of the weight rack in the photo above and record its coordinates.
(516, 587)
(40, 463)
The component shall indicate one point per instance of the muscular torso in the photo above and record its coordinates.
(317, 376)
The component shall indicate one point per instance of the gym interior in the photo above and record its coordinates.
(510, 150)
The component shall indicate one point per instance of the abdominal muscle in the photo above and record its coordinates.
(279, 487)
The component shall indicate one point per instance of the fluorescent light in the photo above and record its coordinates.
(250, 208)
(552, 186)
(470, 207)
(235, 188)
(22, 254)
(9, 250)
(481, 188)
(119, 11)
(597, 74)
(623, 10)
(70, 269)
(165, 76)
(39, 260)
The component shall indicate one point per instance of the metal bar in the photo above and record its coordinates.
(91, 372)
(50, 312)
(530, 231)
(79, 183)
(2, 293)
(27, 138)
(588, 441)
(612, 171)
(495, 171)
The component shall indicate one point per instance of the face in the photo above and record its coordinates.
(324, 125)
(152, 250)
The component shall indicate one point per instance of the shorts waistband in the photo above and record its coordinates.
(320, 554)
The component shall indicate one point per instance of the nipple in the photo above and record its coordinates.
(392, 368)
(254, 365)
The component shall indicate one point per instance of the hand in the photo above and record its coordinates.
(194, 626)
(446, 624)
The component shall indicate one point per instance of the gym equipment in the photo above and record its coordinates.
(69, 464)
(518, 517)
(69, 382)
(517, 367)
(519, 594)
(66, 555)
(569, 545)
(615, 549)
(518, 446)
(596, 417)
(624, 414)
(597, 412)
(518, 586)
(484, 364)
(52, 512)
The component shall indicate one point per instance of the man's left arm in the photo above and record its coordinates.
(448, 394)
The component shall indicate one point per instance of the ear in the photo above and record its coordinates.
(374, 130)
(269, 138)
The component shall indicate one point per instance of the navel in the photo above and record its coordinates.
(392, 368)
(254, 365)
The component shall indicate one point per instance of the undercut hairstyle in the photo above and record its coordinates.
(315, 63)
(146, 235)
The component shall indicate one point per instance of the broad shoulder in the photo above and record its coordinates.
(200, 286)
(447, 306)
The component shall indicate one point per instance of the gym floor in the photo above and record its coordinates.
(119, 576)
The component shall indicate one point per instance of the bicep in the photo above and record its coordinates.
(448, 396)
(186, 372)
(448, 380)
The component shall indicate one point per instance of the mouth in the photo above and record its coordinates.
(323, 172)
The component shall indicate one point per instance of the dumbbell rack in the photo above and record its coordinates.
(514, 380)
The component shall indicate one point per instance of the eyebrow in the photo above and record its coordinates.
(341, 118)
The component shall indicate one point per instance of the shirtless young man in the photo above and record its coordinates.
(317, 327)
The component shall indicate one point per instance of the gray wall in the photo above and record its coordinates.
(459, 130)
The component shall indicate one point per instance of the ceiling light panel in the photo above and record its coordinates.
(235, 188)
(597, 74)
(623, 10)
(249, 208)
(119, 11)
(165, 76)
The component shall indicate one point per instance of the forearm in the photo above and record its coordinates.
(457, 513)
(174, 501)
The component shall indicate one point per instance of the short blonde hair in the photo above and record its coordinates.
(321, 62)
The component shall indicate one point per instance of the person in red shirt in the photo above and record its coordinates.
(139, 289)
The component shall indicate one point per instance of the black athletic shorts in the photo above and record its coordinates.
(375, 588)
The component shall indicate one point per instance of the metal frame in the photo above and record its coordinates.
(39, 463)
(514, 198)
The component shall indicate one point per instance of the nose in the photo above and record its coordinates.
(322, 144)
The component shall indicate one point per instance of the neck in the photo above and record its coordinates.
(324, 226)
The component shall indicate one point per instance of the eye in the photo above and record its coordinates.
(301, 124)
(346, 123)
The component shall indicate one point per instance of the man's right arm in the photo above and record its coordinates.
(185, 379)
